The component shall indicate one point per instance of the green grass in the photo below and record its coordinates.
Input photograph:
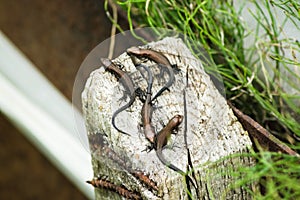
(248, 74)
(273, 176)
(277, 174)
(261, 79)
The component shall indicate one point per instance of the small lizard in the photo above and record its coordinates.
(126, 82)
(147, 108)
(161, 140)
(158, 58)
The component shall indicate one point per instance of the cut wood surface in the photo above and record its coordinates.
(213, 132)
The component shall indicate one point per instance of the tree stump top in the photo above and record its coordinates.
(213, 131)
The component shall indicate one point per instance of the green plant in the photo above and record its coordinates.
(261, 77)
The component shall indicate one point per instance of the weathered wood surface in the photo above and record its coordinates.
(213, 131)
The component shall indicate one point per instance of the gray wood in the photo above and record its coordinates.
(213, 130)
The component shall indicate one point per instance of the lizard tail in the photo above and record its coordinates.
(113, 119)
(173, 167)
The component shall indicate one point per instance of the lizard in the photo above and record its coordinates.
(161, 140)
(127, 83)
(147, 108)
(158, 58)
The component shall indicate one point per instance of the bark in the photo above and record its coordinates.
(213, 131)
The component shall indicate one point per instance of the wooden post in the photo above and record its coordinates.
(213, 132)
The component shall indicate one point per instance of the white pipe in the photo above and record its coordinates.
(44, 115)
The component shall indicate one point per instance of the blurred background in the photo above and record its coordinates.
(56, 36)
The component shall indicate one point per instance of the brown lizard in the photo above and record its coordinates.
(161, 140)
(126, 82)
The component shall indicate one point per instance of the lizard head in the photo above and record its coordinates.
(176, 120)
